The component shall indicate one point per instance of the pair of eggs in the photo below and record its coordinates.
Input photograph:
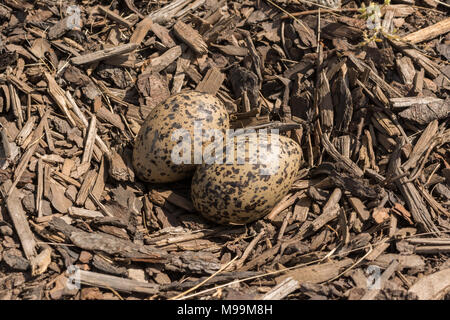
(236, 180)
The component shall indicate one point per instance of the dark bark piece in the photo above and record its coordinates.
(416, 205)
(222, 278)
(425, 113)
(346, 163)
(14, 259)
(242, 80)
(344, 106)
(356, 186)
(58, 29)
(105, 266)
(325, 103)
(114, 246)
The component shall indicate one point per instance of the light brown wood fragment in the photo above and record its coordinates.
(361, 66)
(112, 282)
(90, 140)
(20, 222)
(178, 80)
(25, 131)
(40, 188)
(99, 185)
(103, 54)
(382, 122)
(425, 113)
(191, 37)
(21, 85)
(60, 45)
(163, 34)
(433, 286)
(67, 166)
(36, 137)
(433, 203)
(190, 7)
(232, 50)
(192, 73)
(325, 103)
(431, 68)
(381, 282)
(418, 81)
(428, 33)
(211, 82)
(387, 142)
(57, 197)
(167, 12)
(349, 164)
(16, 106)
(316, 273)
(416, 205)
(406, 69)
(104, 114)
(283, 289)
(141, 30)
(58, 95)
(360, 208)
(101, 144)
(285, 203)
(85, 188)
(409, 101)
(84, 213)
(160, 63)
(378, 250)
(240, 262)
(118, 169)
(438, 249)
(159, 198)
(421, 145)
(67, 178)
(115, 17)
(40, 263)
(330, 210)
(50, 143)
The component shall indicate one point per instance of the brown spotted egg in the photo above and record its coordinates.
(243, 189)
(156, 154)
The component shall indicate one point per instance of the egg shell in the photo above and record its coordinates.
(242, 192)
(152, 154)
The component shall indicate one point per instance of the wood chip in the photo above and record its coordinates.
(103, 54)
(191, 37)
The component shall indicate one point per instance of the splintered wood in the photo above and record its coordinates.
(368, 106)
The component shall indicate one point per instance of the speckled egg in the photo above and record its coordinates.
(156, 156)
(239, 190)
